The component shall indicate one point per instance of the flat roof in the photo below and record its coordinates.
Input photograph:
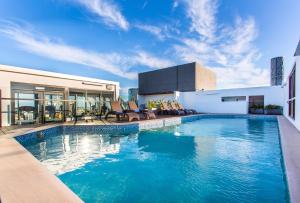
(241, 88)
(21, 70)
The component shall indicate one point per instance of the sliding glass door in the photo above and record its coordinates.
(54, 107)
(292, 93)
(25, 108)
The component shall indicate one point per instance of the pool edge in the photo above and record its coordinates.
(24, 179)
(290, 145)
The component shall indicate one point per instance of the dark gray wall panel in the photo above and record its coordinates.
(186, 77)
(177, 78)
(158, 81)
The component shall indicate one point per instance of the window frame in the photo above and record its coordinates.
(292, 93)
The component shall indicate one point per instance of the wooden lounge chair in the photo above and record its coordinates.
(117, 110)
(165, 108)
(176, 110)
(148, 114)
(187, 111)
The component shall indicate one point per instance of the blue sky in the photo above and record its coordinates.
(115, 40)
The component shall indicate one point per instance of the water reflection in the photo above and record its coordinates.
(74, 150)
(167, 141)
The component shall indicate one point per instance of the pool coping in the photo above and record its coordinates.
(14, 155)
(24, 179)
(290, 145)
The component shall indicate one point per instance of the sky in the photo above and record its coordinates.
(117, 39)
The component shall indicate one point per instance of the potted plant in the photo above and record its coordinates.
(273, 110)
(257, 109)
(152, 105)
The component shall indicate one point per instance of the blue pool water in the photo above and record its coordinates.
(208, 160)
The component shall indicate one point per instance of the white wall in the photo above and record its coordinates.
(295, 122)
(211, 102)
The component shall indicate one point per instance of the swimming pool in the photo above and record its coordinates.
(220, 159)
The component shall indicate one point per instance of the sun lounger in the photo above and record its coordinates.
(117, 110)
(148, 114)
(187, 111)
(176, 110)
(165, 108)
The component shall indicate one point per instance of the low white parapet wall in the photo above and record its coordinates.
(211, 101)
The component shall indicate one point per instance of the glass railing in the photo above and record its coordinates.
(35, 111)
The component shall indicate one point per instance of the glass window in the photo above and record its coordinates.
(292, 93)
(107, 99)
(93, 104)
(234, 99)
(54, 107)
(72, 105)
(25, 108)
(80, 105)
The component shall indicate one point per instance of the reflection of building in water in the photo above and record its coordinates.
(75, 151)
(165, 141)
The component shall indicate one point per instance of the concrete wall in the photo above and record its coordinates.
(10, 74)
(205, 78)
(211, 102)
(186, 77)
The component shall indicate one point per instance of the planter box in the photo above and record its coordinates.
(256, 111)
(273, 111)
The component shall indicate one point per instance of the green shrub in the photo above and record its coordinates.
(152, 104)
(270, 107)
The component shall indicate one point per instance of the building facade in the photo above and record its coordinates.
(233, 101)
(34, 96)
(133, 94)
(183, 78)
(292, 92)
(276, 71)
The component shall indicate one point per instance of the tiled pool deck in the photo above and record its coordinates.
(290, 145)
(24, 179)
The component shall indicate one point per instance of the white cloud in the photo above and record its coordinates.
(242, 74)
(175, 4)
(202, 15)
(108, 11)
(238, 40)
(147, 59)
(43, 46)
(114, 63)
(228, 50)
(157, 31)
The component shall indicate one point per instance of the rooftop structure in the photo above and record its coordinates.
(276, 71)
(183, 78)
(132, 94)
(34, 96)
